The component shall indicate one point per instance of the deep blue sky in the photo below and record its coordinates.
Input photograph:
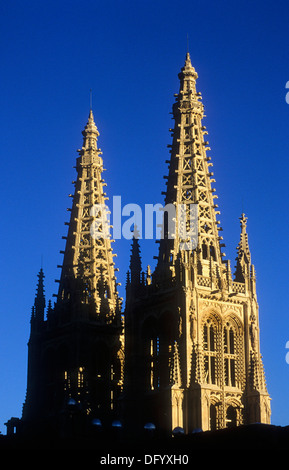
(130, 52)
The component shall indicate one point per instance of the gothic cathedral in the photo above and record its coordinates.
(185, 352)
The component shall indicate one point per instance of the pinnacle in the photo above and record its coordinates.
(40, 285)
(188, 60)
(91, 117)
(39, 303)
(135, 258)
(243, 221)
(90, 126)
(243, 246)
(188, 68)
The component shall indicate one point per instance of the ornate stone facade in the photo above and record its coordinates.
(187, 352)
(192, 333)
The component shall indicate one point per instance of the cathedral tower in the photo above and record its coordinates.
(75, 354)
(191, 329)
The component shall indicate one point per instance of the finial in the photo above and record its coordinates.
(90, 98)
(188, 60)
(243, 221)
(187, 43)
(90, 127)
(135, 232)
(188, 68)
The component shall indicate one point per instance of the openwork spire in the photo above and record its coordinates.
(190, 176)
(205, 325)
(88, 269)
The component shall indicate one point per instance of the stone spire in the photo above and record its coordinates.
(243, 253)
(205, 324)
(190, 177)
(243, 247)
(88, 267)
(39, 303)
(90, 134)
(135, 260)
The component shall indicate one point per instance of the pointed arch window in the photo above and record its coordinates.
(210, 351)
(230, 355)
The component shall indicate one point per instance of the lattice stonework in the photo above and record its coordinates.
(214, 316)
(88, 256)
(189, 180)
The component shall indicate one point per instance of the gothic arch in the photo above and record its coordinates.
(233, 347)
(215, 412)
(223, 347)
(236, 323)
(233, 401)
(213, 315)
(210, 335)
